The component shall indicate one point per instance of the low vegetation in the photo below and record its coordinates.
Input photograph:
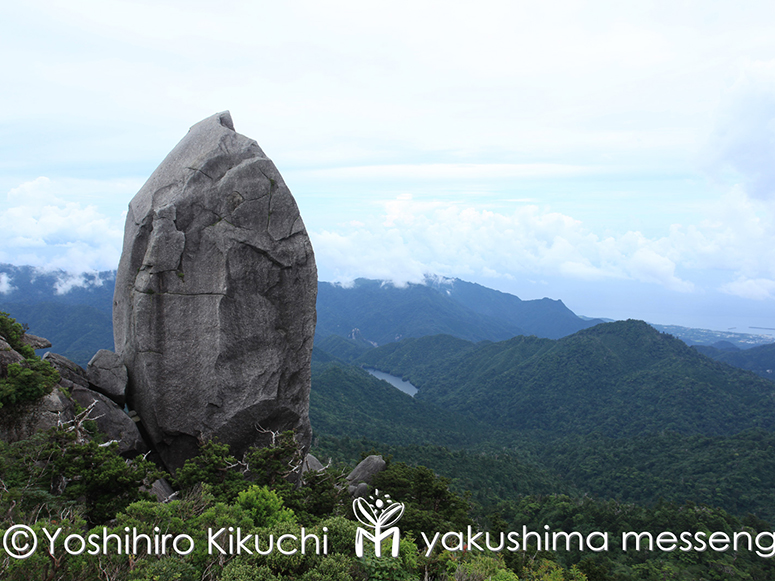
(26, 380)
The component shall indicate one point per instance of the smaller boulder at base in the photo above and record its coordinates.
(107, 375)
(111, 421)
(364, 473)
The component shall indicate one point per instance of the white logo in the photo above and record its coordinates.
(377, 515)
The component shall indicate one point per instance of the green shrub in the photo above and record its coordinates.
(28, 380)
(341, 534)
(291, 565)
(242, 571)
(265, 505)
(389, 568)
(41, 565)
(212, 467)
(13, 333)
(56, 470)
(165, 569)
(484, 567)
(334, 568)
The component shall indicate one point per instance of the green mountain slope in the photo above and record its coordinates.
(75, 331)
(760, 360)
(346, 401)
(74, 312)
(734, 472)
(617, 379)
(417, 360)
(342, 348)
(353, 413)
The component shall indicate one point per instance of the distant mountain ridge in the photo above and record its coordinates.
(383, 313)
(369, 312)
(74, 311)
(760, 360)
(545, 317)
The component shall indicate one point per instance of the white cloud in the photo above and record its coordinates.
(453, 171)
(738, 235)
(417, 237)
(365, 253)
(528, 82)
(67, 281)
(411, 238)
(424, 97)
(42, 229)
(648, 265)
(744, 136)
(5, 284)
(756, 289)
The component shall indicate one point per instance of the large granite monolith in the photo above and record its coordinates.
(214, 308)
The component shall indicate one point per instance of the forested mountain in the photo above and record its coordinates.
(348, 402)
(760, 360)
(353, 413)
(384, 313)
(540, 317)
(617, 379)
(76, 331)
(74, 312)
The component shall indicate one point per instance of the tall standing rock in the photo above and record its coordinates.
(214, 308)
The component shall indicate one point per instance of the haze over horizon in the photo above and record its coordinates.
(618, 158)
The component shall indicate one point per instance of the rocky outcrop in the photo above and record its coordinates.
(360, 478)
(111, 421)
(107, 374)
(70, 372)
(35, 342)
(214, 307)
(311, 464)
(162, 490)
(23, 419)
(8, 355)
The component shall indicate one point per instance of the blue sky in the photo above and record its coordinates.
(617, 157)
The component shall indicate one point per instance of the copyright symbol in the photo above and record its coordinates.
(20, 541)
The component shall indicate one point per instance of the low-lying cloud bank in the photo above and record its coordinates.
(411, 238)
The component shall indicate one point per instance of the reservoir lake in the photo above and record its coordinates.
(396, 382)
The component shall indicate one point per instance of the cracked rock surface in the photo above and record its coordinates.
(214, 308)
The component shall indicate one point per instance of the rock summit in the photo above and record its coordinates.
(214, 307)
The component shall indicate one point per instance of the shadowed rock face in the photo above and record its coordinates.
(214, 308)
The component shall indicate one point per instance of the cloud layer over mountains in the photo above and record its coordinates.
(519, 145)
